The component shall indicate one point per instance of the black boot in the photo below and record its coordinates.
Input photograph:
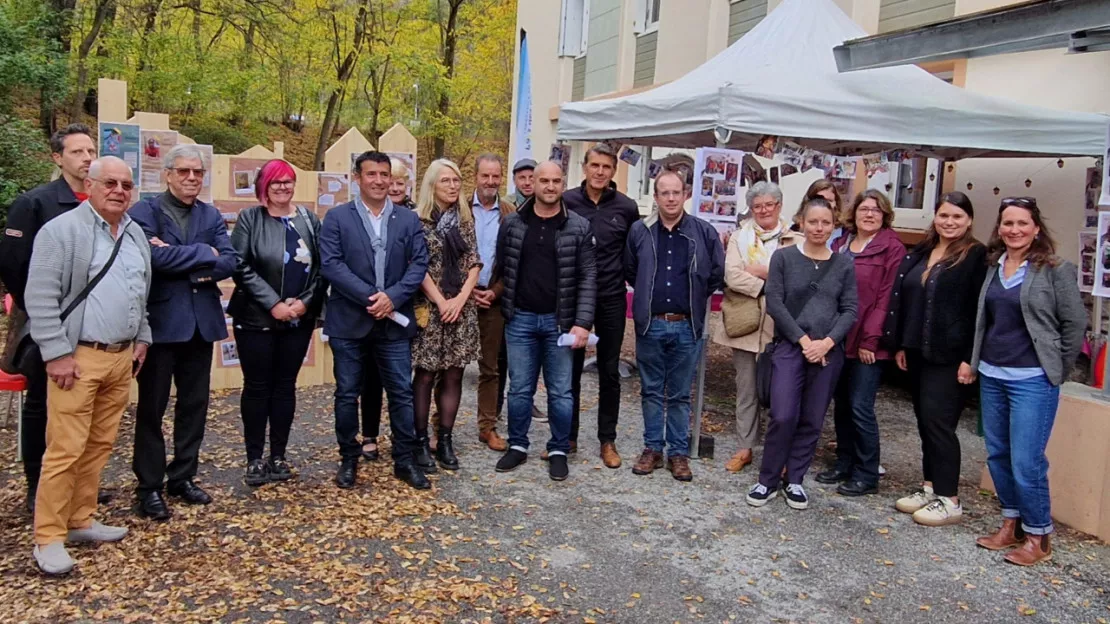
(445, 451)
(423, 456)
(411, 474)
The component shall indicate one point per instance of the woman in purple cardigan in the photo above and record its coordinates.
(876, 250)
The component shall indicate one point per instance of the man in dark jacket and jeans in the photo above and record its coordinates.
(674, 262)
(73, 150)
(545, 254)
(611, 215)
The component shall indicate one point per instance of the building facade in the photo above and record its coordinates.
(592, 49)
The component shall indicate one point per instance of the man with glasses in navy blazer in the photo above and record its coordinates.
(373, 253)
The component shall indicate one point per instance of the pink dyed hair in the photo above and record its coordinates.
(269, 172)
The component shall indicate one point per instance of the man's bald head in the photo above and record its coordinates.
(549, 180)
(109, 186)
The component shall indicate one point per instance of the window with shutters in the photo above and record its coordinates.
(644, 73)
(743, 15)
(578, 84)
(574, 30)
(899, 14)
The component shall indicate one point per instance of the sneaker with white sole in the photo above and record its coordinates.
(760, 494)
(941, 512)
(796, 496)
(96, 532)
(917, 500)
(53, 559)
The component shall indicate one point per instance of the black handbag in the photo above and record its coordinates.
(763, 367)
(18, 342)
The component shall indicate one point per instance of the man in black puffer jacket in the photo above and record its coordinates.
(611, 215)
(545, 254)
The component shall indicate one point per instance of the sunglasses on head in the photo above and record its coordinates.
(1024, 202)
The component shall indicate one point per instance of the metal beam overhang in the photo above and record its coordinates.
(1077, 25)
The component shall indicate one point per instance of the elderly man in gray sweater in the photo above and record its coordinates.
(86, 303)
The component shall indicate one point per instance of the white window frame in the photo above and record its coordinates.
(913, 218)
(574, 37)
(646, 19)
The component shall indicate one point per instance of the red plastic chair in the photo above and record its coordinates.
(14, 386)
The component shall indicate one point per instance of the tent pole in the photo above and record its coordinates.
(699, 396)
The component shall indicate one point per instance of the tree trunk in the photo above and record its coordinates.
(450, 40)
(103, 8)
(343, 74)
(150, 21)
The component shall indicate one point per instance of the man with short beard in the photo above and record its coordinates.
(523, 180)
(190, 253)
(489, 213)
(545, 255)
(73, 150)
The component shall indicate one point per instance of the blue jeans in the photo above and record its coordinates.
(530, 340)
(857, 430)
(1017, 420)
(393, 359)
(667, 356)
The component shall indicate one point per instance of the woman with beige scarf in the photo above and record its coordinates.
(747, 257)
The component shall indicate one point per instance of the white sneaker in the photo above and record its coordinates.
(941, 512)
(796, 497)
(917, 500)
(53, 558)
(760, 494)
(96, 532)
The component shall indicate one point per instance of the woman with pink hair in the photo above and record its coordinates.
(278, 295)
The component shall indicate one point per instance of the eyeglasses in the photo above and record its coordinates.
(765, 206)
(111, 184)
(868, 210)
(1024, 202)
(185, 171)
(283, 183)
(671, 194)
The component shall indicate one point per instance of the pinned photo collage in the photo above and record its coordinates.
(719, 184)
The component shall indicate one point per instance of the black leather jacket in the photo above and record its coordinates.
(260, 242)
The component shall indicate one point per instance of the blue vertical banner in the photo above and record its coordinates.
(523, 120)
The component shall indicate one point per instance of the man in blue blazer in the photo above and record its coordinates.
(190, 252)
(373, 254)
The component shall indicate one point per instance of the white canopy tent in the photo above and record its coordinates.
(781, 79)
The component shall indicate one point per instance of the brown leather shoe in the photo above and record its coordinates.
(1007, 535)
(649, 461)
(494, 441)
(679, 465)
(609, 455)
(742, 458)
(1035, 550)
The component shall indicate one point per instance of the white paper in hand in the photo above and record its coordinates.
(567, 340)
(399, 318)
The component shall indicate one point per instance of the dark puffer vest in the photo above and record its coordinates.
(574, 248)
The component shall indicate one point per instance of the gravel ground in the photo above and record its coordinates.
(603, 546)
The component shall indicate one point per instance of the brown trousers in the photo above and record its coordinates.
(491, 329)
(81, 427)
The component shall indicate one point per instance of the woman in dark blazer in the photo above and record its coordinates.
(1028, 334)
(876, 251)
(277, 298)
(931, 327)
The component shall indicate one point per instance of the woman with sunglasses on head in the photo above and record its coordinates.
(931, 327)
(811, 296)
(1028, 334)
(875, 249)
(278, 295)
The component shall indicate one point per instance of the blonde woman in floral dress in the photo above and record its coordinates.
(448, 339)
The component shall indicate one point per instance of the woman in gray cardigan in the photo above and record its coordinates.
(1028, 333)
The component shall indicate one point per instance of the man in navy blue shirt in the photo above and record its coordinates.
(374, 255)
(675, 262)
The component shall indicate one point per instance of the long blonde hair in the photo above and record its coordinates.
(426, 201)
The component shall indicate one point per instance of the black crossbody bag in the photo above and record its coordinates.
(19, 343)
(763, 360)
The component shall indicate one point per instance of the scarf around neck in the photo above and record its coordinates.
(757, 244)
